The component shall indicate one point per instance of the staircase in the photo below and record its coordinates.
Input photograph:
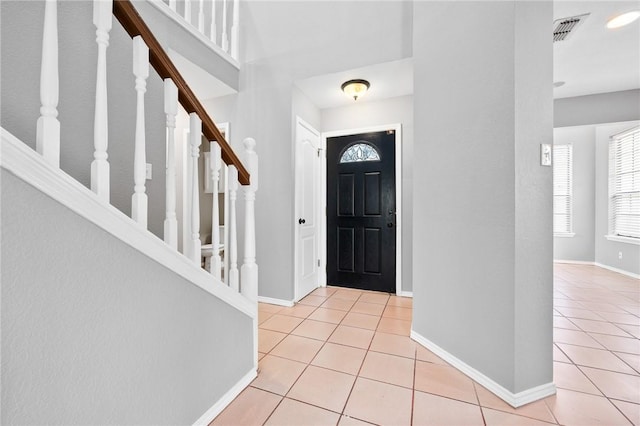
(104, 320)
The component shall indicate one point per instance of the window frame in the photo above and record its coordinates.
(631, 136)
(355, 145)
(557, 151)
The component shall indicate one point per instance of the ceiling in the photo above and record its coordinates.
(592, 60)
(388, 80)
(595, 59)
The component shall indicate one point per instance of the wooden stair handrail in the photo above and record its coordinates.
(132, 22)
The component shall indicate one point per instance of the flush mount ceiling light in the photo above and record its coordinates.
(624, 19)
(355, 88)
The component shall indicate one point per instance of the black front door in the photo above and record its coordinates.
(361, 212)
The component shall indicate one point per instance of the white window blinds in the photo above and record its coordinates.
(562, 189)
(624, 184)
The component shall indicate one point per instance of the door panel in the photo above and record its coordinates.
(373, 253)
(346, 195)
(307, 187)
(345, 251)
(361, 236)
(308, 256)
(372, 194)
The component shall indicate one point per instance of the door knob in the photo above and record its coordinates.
(301, 221)
(390, 225)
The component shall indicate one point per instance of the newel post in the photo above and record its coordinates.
(48, 126)
(249, 270)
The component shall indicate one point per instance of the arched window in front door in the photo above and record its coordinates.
(360, 151)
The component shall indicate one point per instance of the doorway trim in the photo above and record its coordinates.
(322, 241)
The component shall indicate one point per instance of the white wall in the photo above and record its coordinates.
(387, 111)
(580, 247)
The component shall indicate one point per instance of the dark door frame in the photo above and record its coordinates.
(323, 193)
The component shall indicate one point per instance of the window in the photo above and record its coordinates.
(624, 184)
(360, 152)
(562, 190)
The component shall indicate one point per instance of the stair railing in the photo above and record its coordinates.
(147, 50)
(210, 18)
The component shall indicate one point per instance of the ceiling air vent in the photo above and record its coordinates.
(565, 27)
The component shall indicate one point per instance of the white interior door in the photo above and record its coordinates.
(307, 149)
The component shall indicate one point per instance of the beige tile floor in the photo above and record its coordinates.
(344, 357)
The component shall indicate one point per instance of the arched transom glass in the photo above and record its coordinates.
(360, 152)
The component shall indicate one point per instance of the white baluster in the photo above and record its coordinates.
(225, 37)
(141, 71)
(187, 10)
(195, 138)
(249, 270)
(102, 19)
(215, 163)
(213, 34)
(225, 228)
(232, 250)
(235, 30)
(48, 126)
(172, 5)
(201, 17)
(171, 109)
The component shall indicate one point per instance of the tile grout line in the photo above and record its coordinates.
(344, 407)
(413, 387)
(588, 285)
(301, 373)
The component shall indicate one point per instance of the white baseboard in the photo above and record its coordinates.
(226, 399)
(29, 166)
(620, 271)
(574, 262)
(514, 399)
(272, 301)
(406, 294)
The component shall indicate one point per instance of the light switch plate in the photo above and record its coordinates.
(545, 154)
(149, 170)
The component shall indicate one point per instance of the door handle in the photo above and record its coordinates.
(301, 221)
(390, 225)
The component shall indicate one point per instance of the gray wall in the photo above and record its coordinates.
(580, 247)
(596, 118)
(272, 60)
(21, 38)
(118, 339)
(607, 251)
(303, 107)
(482, 106)
(387, 111)
(609, 107)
